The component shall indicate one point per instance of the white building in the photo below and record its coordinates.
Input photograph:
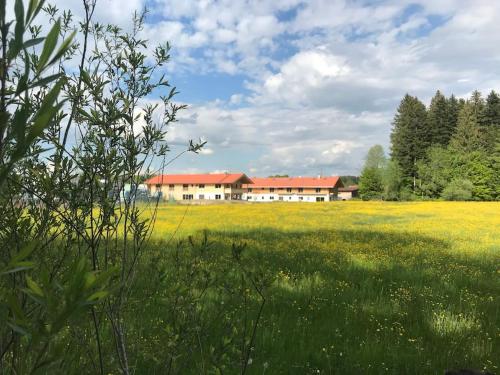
(293, 189)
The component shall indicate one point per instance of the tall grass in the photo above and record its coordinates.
(354, 287)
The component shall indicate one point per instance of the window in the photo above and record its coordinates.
(171, 187)
(201, 186)
(320, 199)
(217, 196)
(271, 190)
(318, 190)
(217, 186)
(262, 197)
(158, 187)
(289, 198)
(187, 197)
(227, 186)
(249, 190)
(301, 198)
(288, 190)
(280, 198)
(201, 196)
(271, 198)
(185, 186)
(301, 190)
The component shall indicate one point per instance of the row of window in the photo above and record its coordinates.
(288, 190)
(202, 196)
(218, 186)
(318, 199)
(202, 186)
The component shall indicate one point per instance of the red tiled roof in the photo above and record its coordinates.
(296, 182)
(218, 178)
(349, 188)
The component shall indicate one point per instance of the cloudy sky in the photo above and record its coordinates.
(306, 87)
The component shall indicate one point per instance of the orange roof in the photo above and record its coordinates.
(290, 182)
(216, 178)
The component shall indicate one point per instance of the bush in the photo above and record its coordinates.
(458, 190)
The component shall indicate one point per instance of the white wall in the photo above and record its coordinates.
(209, 195)
(345, 195)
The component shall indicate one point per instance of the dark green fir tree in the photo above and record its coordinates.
(491, 121)
(410, 137)
(469, 136)
(438, 121)
(453, 106)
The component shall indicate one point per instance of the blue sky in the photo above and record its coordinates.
(306, 87)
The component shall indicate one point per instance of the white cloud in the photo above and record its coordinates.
(304, 72)
(324, 81)
(289, 140)
(206, 151)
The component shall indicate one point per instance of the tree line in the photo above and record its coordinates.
(449, 150)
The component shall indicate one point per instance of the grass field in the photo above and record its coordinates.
(355, 287)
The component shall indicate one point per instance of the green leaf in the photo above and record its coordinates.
(15, 307)
(4, 173)
(45, 81)
(33, 8)
(33, 42)
(22, 84)
(63, 48)
(19, 123)
(85, 77)
(18, 329)
(104, 276)
(19, 29)
(34, 287)
(24, 253)
(42, 122)
(97, 296)
(46, 112)
(89, 279)
(25, 266)
(23, 81)
(16, 44)
(49, 46)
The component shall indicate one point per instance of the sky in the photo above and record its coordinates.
(307, 87)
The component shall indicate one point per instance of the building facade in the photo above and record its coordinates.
(185, 187)
(346, 193)
(293, 189)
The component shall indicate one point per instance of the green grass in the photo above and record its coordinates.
(353, 287)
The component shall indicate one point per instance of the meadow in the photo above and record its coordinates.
(349, 288)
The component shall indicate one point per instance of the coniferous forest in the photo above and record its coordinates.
(449, 150)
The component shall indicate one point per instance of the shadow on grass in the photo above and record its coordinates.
(364, 301)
